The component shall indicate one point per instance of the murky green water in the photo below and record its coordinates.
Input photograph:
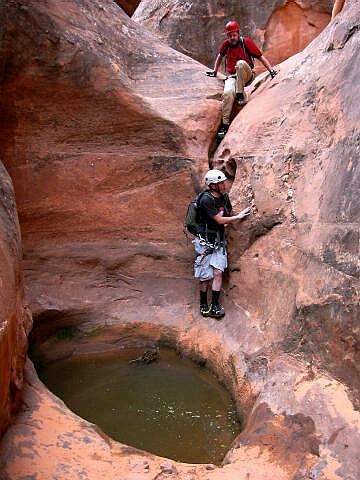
(172, 407)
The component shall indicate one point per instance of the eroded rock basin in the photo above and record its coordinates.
(171, 407)
(299, 423)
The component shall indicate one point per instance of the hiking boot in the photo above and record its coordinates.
(216, 311)
(241, 99)
(204, 309)
(223, 130)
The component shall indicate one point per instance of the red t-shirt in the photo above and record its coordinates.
(236, 53)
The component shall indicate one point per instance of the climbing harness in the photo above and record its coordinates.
(211, 247)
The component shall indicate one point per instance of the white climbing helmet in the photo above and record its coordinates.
(214, 176)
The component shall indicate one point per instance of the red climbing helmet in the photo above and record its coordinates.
(232, 26)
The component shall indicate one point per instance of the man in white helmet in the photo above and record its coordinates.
(214, 212)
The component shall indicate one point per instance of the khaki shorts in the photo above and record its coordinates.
(206, 262)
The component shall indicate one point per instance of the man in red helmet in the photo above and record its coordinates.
(239, 52)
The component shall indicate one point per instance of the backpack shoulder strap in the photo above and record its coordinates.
(201, 195)
(242, 41)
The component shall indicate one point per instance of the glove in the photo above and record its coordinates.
(273, 72)
(244, 213)
(211, 73)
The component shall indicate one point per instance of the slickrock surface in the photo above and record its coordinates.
(302, 423)
(295, 150)
(109, 136)
(281, 28)
(14, 320)
(105, 117)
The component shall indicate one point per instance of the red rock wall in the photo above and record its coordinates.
(281, 28)
(109, 134)
(14, 321)
(290, 29)
(106, 131)
(294, 152)
(104, 117)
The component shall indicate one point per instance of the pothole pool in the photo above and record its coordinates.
(171, 407)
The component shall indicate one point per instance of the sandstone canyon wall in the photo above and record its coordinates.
(281, 28)
(14, 320)
(105, 132)
(111, 115)
(106, 136)
(294, 153)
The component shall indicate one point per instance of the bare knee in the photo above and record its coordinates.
(217, 274)
(204, 285)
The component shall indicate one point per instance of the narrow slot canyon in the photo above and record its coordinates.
(108, 125)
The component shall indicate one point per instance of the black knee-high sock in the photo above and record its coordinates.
(215, 297)
(203, 298)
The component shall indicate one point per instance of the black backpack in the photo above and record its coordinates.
(191, 222)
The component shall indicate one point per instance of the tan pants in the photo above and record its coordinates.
(234, 85)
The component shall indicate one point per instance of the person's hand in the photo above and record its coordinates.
(273, 72)
(211, 73)
(244, 213)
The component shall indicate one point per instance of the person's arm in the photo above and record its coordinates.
(255, 51)
(338, 5)
(267, 65)
(234, 218)
(213, 73)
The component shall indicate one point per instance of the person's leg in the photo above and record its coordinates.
(204, 306)
(204, 272)
(338, 6)
(217, 280)
(228, 97)
(216, 287)
(219, 263)
(203, 292)
(216, 310)
(244, 76)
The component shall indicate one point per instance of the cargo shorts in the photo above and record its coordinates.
(207, 259)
